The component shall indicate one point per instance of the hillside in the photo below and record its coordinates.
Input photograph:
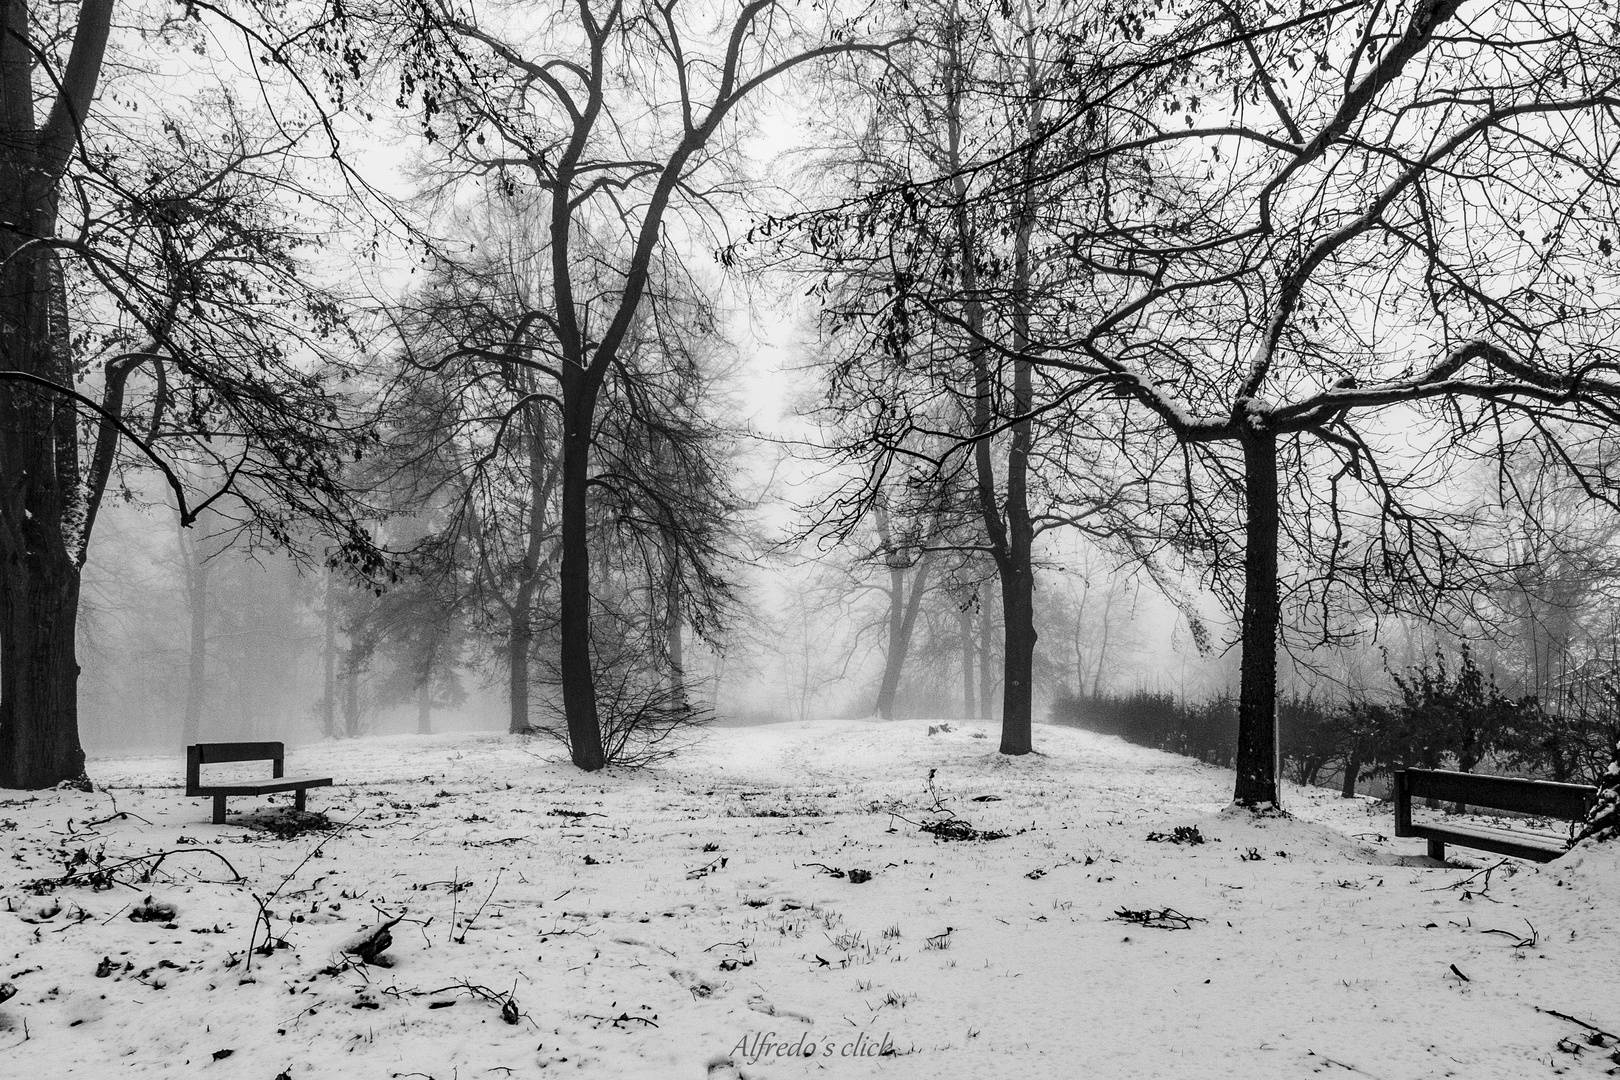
(687, 922)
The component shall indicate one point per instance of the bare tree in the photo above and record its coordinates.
(942, 246)
(153, 309)
(631, 171)
(1350, 249)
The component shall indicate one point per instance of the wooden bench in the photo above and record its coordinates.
(1543, 798)
(221, 752)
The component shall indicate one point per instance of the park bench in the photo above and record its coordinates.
(222, 752)
(1542, 798)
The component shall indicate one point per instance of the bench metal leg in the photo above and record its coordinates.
(298, 799)
(219, 809)
(1437, 849)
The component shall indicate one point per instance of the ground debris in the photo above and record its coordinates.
(369, 944)
(286, 823)
(150, 910)
(1157, 918)
(960, 830)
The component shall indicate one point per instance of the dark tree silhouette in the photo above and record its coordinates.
(154, 310)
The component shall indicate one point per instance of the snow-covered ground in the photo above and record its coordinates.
(690, 925)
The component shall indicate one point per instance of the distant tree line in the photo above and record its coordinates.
(1445, 712)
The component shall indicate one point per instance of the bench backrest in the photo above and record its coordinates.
(218, 753)
(1545, 798)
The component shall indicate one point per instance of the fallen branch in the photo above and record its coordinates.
(507, 1001)
(622, 1018)
(1159, 919)
(1520, 942)
(263, 918)
(1589, 1027)
(1483, 889)
(102, 876)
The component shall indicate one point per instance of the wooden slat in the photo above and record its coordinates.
(262, 787)
(1519, 845)
(1568, 802)
(221, 752)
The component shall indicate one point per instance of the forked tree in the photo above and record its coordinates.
(940, 246)
(630, 171)
(1380, 248)
(1317, 256)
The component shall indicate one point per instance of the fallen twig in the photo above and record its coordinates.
(707, 869)
(507, 1001)
(1589, 1027)
(264, 904)
(498, 872)
(102, 876)
(1520, 942)
(1483, 889)
(1159, 919)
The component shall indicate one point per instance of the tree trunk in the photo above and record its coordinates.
(1102, 646)
(1352, 770)
(1017, 569)
(518, 642)
(1018, 585)
(1018, 664)
(987, 667)
(674, 647)
(351, 695)
(1256, 785)
(902, 621)
(39, 670)
(41, 505)
(578, 680)
(677, 658)
(964, 629)
(424, 707)
(329, 664)
(197, 601)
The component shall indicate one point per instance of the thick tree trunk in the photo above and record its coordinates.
(1015, 559)
(578, 681)
(43, 503)
(41, 523)
(39, 670)
(1257, 692)
(1018, 585)
(1018, 664)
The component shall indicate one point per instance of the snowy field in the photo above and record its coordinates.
(700, 920)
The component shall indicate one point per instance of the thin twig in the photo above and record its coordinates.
(1582, 1023)
(498, 872)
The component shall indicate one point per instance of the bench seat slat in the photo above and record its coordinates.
(1535, 847)
(263, 787)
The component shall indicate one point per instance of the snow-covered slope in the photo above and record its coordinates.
(687, 922)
